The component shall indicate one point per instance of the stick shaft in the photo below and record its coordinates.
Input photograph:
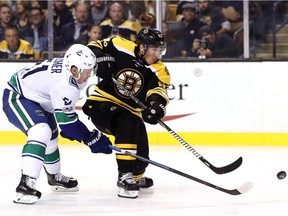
(231, 192)
(218, 170)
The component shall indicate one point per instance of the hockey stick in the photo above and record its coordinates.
(218, 170)
(240, 190)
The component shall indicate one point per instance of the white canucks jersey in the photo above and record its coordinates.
(49, 84)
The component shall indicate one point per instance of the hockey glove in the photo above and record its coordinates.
(98, 143)
(64, 135)
(154, 112)
(106, 66)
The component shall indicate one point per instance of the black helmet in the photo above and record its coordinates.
(151, 36)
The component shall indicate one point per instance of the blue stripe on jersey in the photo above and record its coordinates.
(36, 70)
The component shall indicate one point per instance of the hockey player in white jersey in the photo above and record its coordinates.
(37, 100)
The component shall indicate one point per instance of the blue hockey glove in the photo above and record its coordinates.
(154, 112)
(98, 143)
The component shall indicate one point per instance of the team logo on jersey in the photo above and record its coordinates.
(39, 113)
(132, 80)
(67, 101)
(73, 82)
(79, 52)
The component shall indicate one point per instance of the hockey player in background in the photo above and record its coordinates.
(139, 68)
(35, 101)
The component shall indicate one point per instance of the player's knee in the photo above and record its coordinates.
(40, 132)
(126, 125)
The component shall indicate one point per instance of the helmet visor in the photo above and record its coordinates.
(159, 50)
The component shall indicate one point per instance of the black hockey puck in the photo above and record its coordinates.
(281, 175)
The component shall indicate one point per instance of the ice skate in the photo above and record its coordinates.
(145, 182)
(127, 187)
(62, 183)
(26, 192)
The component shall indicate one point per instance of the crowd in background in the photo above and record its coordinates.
(199, 28)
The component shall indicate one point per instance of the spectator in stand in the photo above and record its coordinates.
(117, 25)
(40, 4)
(62, 15)
(191, 26)
(12, 47)
(212, 45)
(147, 20)
(94, 33)
(151, 8)
(133, 9)
(72, 31)
(5, 18)
(37, 33)
(173, 45)
(233, 11)
(99, 11)
(213, 17)
(21, 15)
(180, 3)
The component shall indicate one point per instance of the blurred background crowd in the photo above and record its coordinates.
(192, 29)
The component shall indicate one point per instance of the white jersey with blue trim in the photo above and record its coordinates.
(49, 84)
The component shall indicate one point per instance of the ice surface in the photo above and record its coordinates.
(171, 195)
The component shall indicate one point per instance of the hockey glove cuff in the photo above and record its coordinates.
(154, 112)
(106, 66)
(98, 143)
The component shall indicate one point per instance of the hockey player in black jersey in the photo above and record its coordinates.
(139, 68)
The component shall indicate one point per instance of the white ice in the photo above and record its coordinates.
(171, 195)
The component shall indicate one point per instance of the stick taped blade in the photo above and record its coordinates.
(245, 187)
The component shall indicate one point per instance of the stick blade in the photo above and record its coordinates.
(242, 189)
(229, 168)
(245, 187)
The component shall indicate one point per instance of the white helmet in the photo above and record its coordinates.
(80, 56)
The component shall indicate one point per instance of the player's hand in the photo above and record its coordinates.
(153, 112)
(106, 66)
(98, 143)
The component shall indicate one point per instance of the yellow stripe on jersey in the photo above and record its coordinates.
(137, 178)
(125, 157)
(124, 45)
(159, 91)
(162, 72)
(104, 96)
(96, 44)
(126, 146)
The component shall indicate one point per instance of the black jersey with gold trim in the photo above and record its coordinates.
(135, 75)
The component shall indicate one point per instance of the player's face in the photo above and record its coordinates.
(84, 76)
(153, 54)
(81, 77)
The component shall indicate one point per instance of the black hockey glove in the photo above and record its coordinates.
(106, 66)
(98, 143)
(154, 112)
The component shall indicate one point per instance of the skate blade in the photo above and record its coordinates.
(127, 194)
(58, 188)
(25, 199)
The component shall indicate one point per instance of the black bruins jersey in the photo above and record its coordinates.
(133, 73)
